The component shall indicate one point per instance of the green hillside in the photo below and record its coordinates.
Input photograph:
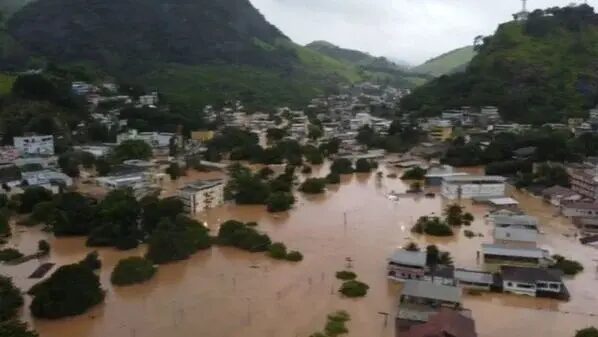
(447, 63)
(540, 70)
(197, 52)
(372, 67)
(6, 82)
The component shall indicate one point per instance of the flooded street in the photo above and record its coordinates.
(225, 292)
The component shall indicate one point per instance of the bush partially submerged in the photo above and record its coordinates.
(569, 267)
(354, 288)
(132, 270)
(433, 226)
(10, 254)
(294, 256)
(346, 275)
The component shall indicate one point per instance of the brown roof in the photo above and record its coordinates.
(445, 323)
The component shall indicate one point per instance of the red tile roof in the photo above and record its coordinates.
(447, 323)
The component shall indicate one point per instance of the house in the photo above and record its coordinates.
(584, 182)
(503, 203)
(202, 195)
(500, 254)
(580, 209)
(44, 177)
(587, 226)
(442, 275)
(473, 279)
(407, 265)
(436, 174)
(558, 195)
(446, 323)
(515, 221)
(515, 237)
(458, 187)
(537, 282)
(35, 145)
(421, 300)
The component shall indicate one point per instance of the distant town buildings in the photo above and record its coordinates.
(458, 187)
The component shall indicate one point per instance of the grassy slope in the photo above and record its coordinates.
(6, 82)
(446, 63)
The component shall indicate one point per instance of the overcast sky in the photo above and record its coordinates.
(410, 30)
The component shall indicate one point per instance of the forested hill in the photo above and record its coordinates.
(447, 63)
(195, 51)
(371, 66)
(540, 70)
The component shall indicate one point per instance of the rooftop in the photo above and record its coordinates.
(530, 275)
(201, 185)
(402, 256)
(582, 205)
(473, 276)
(445, 323)
(429, 290)
(525, 221)
(515, 234)
(502, 250)
(475, 179)
(503, 201)
(559, 191)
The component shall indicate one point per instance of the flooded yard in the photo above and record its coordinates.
(226, 292)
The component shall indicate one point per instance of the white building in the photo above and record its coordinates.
(532, 281)
(149, 100)
(43, 144)
(202, 195)
(457, 187)
(153, 139)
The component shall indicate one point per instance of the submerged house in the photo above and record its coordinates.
(538, 282)
(446, 323)
(500, 254)
(407, 265)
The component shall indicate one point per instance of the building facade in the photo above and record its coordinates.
(202, 195)
(35, 145)
(584, 182)
(466, 187)
(406, 265)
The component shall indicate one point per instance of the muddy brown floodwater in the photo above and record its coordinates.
(224, 292)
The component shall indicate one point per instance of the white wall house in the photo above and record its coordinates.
(532, 281)
(202, 195)
(153, 139)
(35, 145)
(466, 187)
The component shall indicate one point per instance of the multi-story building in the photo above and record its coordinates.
(584, 182)
(202, 195)
(457, 187)
(35, 145)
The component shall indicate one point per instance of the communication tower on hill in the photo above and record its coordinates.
(524, 14)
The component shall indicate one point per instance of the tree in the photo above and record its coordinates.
(14, 328)
(9, 254)
(433, 226)
(11, 299)
(435, 257)
(354, 288)
(43, 247)
(103, 166)
(306, 169)
(333, 178)
(569, 267)
(454, 215)
(280, 202)
(274, 134)
(5, 230)
(69, 291)
(131, 149)
(116, 221)
(154, 209)
(32, 196)
(176, 240)
(416, 173)
(277, 250)
(346, 275)
(73, 215)
(313, 186)
(314, 132)
(175, 171)
(43, 212)
(363, 166)
(132, 270)
(246, 188)
(412, 247)
(238, 234)
(342, 166)
(69, 164)
(587, 332)
(294, 256)
(92, 261)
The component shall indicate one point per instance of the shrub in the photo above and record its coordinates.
(468, 233)
(280, 202)
(341, 166)
(14, 328)
(294, 256)
(587, 332)
(70, 291)
(354, 288)
(4, 224)
(9, 254)
(252, 224)
(32, 196)
(346, 275)
(43, 246)
(416, 173)
(92, 261)
(313, 186)
(412, 247)
(10, 299)
(277, 250)
(569, 267)
(335, 328)
(339, 316)
(237, 234)
(306, 169)
(333, 178)
(132, 270)
(432, 226)
(363, 166)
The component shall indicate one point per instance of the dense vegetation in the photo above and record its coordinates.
(175, 240)
(70, 290)
(335, 325)
(132, 270)
(587, 332)
(540, 70)
(10, 299)
(14, 328)
(432, 226)
(354, 288)
(569, 267)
